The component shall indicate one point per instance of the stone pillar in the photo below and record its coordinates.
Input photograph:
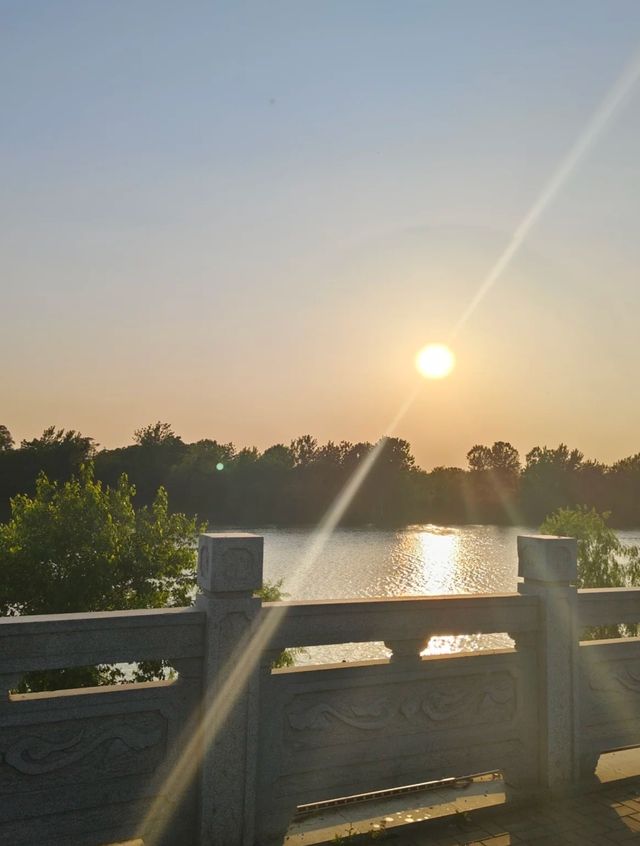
(229, 572)
(548, 567)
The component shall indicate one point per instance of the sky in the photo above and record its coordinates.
(246, 218)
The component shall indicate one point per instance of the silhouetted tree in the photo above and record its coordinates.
(57, 452)
(549, 480)
(303, 450)
(296, 484)
(6, 441)
(492, 486)
(149, 462)
(156, 434)
(623, 491)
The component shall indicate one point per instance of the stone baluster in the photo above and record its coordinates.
(229, 573)
(406, 651)
(548, 568)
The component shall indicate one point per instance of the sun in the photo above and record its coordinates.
(435, 361)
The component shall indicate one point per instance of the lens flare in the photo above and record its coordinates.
(435, 361)
(599, 121)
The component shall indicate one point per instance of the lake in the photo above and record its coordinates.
(417, 560)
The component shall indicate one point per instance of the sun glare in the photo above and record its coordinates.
(435, 361)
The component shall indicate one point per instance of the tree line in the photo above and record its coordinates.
(295, 484)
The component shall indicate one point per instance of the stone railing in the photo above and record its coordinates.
(226, 752)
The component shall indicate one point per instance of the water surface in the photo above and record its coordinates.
(414, 561)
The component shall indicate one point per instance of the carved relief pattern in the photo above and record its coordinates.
(88, 748)
(439, 703)
(629, 676)
(374, 716)
(35, 755)
(609, 710)
(616, 676)
(238, 566)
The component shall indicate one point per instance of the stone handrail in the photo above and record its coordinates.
(53, 641)
(601, 607)
(324, 622)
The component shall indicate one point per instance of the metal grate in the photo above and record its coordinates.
(455, 783)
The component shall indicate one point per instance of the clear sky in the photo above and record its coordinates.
(246, 218)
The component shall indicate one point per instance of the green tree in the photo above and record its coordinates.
(272, 592)
(57, 452)
(82, 546)
(603, 560)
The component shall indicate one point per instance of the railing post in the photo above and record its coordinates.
(229, 572)
(548, 567)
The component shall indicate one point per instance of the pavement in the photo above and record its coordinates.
(475, 813)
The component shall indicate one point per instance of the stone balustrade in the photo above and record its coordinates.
(224, 753)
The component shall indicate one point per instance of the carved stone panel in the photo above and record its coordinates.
(81, 750)
(610, 699)
(317, 719)
(615, 677)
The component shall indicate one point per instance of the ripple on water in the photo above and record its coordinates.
(415, 561)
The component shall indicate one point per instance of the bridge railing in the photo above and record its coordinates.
(225, 752)
(84, 766)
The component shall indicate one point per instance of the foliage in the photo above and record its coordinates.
(501, 458)
(57, 453)
(156, 434)
(296, 484)
(83, 546)
(272, 592)
(491, 488)
(6, 440)
(551, 480)
(603, 560)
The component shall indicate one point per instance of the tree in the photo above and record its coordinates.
(57, 452)
(53, 440)
(550, 480)
(149, 462)
(82, 546)
(603, 560)
(6, 441)
(303, 450)
(197, 483)
(272, 592)
(479, 458)
(279, 456)
(623, 490)
(494, 475)
(156, 434)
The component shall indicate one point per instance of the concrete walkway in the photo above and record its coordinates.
(474, 814)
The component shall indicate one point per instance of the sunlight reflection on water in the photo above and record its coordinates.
(414, 561)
